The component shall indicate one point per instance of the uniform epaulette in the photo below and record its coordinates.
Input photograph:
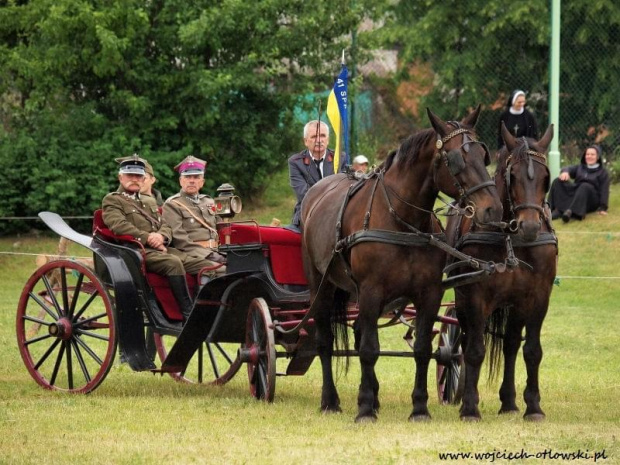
(177, 195)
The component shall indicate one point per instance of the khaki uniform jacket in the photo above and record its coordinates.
(186, 229)
(121, 213)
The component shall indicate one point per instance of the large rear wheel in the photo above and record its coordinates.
(66, 328)
(260, 351)
(449, 362)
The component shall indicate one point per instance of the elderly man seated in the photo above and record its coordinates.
(191, 215)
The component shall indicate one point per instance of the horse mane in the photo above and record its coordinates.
(410, 148)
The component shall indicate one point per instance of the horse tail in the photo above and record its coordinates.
(494, 340)
(339, 323)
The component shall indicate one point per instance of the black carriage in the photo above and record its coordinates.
(72, 317)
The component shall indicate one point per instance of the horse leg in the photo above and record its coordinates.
(532, 354)
(512, 342)
(422, 351)
(473, 356)
(330, 402)
(368, 396)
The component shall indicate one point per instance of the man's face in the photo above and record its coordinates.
(131, 182)
(317, 141)
(363, 167)
(191, 184)
(148, 184)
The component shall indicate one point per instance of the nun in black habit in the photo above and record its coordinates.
(588, 193)
(518, 119)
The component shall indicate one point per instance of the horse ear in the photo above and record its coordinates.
(509, 139)
(546, 138)
(438, 124)
(471, 119)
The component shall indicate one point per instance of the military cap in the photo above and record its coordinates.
(132, 165)
(191, 166)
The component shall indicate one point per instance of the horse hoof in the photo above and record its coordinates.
(419, 418)
(470, 419)
(537, 417)
(366, 419)
(511, 411)
(328, 410)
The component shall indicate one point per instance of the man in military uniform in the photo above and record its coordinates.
(127, 212)
(191, 215)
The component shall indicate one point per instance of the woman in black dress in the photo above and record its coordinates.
(589, 192)
(518, 119)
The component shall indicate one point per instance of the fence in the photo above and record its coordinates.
(589, 97)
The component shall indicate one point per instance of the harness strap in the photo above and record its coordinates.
(388, 237)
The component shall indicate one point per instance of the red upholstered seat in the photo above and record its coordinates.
(158, 283)
(284, 248)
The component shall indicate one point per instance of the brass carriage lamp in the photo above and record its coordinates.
(227, 205)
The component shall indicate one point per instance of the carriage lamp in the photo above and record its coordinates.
(227, 205)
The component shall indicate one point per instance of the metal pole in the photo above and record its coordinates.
(554, 89)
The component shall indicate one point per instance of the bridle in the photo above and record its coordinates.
(532, 156)
(455, 163)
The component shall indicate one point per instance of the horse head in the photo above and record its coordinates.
(522, 178)
(460, 168)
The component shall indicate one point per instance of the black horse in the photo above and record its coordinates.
(370, 239)
(505, 303)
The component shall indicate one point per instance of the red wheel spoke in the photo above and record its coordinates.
(80, 358)
(37, 339)
(67, 345)
(52, 296)
(61, 352)
(47, 353)
(43, 305)
(93, 335)
(92, 297)
(76, 294)
(88, 350)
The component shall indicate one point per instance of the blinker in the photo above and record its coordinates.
(455, 162)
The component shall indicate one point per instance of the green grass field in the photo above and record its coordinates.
(140, 418)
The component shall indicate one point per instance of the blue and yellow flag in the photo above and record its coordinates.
(337, 104)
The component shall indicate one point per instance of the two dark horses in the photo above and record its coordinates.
(508, 302)
(372, 241)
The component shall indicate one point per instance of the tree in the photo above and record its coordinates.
(85, 81)
(480, 50)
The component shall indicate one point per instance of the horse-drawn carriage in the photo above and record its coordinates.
(370, 248)
(72, 317)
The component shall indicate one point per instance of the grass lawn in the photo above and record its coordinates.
(135, 418)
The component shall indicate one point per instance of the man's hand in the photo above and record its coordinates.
(564, 176)
(156, 241)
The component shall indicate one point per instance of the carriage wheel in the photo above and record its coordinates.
(213, 363)
(260, 351)
(450, 361)
(66, 328)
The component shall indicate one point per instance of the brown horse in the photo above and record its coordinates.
(370, 239)
(507, 302)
